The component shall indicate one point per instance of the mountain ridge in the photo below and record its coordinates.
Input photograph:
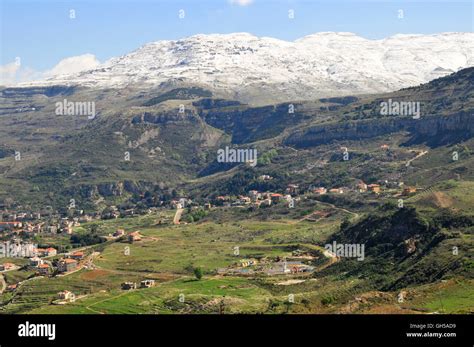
(72, 154)
(250, 68)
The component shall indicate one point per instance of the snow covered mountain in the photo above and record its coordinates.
(322, 64)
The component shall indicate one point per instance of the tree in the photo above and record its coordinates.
(198, 273)
(345, 224)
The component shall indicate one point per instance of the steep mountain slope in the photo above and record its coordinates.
(406, 248)
(445, 106)
(264, 70)
(65, 157)
(309, 146)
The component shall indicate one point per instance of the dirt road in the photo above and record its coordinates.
(420, 154)
(177, 216)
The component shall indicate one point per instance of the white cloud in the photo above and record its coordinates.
(74, 65)
(241, 2)
(14, 73)
(8, 73)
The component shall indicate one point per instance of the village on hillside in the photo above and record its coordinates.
(19, 227)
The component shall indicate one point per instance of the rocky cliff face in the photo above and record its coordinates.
(253, 123)
(109, 189)
(162, 117)
(432, 130)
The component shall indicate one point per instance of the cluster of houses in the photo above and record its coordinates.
(181, 203)
(34, 224)
(45, 267)
(262, 199)
(18, 225)
(133, 285)
(281, 267)
(65, 296)
(130, 237)
(255, 198)
(53, 222)
(46, 252)
(362, 187)
(36, 261)
(289, 268)
(114, 212)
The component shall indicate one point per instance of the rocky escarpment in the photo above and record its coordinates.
(109, 189)
(255, 123)
(48, 91)
(163, 118)
(431, 130)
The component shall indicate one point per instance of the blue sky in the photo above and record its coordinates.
(42, 34)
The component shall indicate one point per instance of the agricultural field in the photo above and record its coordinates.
(233, 237)
(169, 254)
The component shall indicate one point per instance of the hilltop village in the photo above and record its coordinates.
(19, 222)
(19, 228)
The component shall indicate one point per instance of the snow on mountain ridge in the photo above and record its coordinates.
(321, 64)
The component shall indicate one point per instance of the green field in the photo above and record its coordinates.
(169, 253)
